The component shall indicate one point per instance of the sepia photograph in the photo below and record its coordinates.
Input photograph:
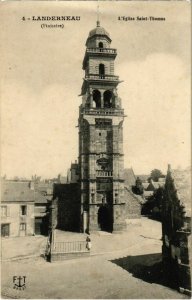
(95, 149)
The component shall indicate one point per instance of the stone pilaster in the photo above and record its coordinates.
(93, 218)
(119, 223)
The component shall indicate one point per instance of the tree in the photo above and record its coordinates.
(156, 174)
(153, 205)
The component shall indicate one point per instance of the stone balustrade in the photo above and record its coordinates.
(102, 77)
(101, 50)
(100, 173)
(103, 111)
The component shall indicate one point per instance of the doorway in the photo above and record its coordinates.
(5, 230)
(22, 229)
(41, 225)
(105, 218)
(38, 225)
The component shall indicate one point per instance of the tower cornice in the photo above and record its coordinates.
(98, 52)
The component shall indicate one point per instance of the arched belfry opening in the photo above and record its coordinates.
(96, 99)
(108, 99)
(101, 70)
(100, 45)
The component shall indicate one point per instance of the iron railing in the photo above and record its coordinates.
(69, 247)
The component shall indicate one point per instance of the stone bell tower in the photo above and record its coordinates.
(101, 138)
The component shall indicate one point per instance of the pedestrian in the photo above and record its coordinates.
(88, 245)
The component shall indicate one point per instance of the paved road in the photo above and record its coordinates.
(12, 248)
(131, 273)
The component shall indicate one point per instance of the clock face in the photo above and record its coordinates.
(103, 162)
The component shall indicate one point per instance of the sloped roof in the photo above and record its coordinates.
(43, 186)
(156, 184)
(143, 177)
(129, 177)
(130, 196)
(21, 191)
(145, 185)
(41, 197)
(153, 185)
(43, 192)
(161, 184)
(161, 179)
(148, 193)
(16, 191)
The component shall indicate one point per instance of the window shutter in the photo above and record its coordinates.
(8, 211)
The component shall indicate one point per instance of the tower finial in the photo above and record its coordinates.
(98, 22)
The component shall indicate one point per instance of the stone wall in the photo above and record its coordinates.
(108, 63)
(69, 206)
(132, 205)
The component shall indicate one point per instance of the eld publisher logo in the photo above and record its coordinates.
(19, 282)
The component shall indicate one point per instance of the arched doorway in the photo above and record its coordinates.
(105, 218)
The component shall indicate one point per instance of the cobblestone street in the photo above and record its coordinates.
(127, 265)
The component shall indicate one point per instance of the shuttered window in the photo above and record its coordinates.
(22, 226)
(5, 211)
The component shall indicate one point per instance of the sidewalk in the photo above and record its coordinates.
(22, 247)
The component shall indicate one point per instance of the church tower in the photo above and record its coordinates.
(101, 138)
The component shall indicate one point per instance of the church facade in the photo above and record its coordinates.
(99, 202)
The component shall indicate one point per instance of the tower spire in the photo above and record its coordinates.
(98, 22)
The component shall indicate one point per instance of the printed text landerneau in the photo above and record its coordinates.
(56, 18)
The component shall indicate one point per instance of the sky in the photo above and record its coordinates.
(42, 79)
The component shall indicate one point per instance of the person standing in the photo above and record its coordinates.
(88, 245)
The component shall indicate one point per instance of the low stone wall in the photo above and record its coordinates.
(64, 256)
(66, 250)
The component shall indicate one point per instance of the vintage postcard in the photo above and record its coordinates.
(96, 142)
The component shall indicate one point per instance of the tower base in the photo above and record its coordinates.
(117, 227)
